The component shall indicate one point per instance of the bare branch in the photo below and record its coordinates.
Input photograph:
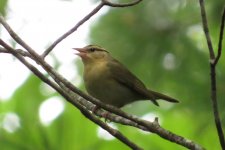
(220, 44)
(108, 3)
(112, 131)
(215, 106)
(3, 50)
(213, 62)
(206, 31)
(20, 51)
(86, 18)
(153, 127)
(18, 39)
(92, 13)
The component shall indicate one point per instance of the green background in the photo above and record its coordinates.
(160, 41)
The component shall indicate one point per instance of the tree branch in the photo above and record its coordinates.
(92, 13)
(20, 51)
(213, 62)
(86, 18)
(206, 30)
(220, 44)
(108, 3)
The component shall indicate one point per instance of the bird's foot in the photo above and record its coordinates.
(106, 116)
(94, 110)
(103, 114)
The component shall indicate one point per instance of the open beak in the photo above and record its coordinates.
(81, 52)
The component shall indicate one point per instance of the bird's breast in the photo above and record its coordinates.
(100, 84)
(95, 78)
(95, 72)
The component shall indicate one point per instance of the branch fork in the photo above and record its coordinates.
(213, 62)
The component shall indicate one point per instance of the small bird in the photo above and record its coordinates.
(108, 80)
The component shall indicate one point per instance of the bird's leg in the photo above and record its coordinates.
(94, 110)
(105, 114)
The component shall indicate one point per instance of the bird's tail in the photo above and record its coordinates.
(163, 97)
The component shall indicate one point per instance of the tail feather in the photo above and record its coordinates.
(163, 97)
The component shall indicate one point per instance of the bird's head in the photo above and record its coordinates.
(92, 54)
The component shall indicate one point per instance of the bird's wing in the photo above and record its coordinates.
(122, 75)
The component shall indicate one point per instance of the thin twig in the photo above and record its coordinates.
(20, 51)
(206, 31)
(18, 39)
(213, 62)
(87, 17)
(65, 94)
(220, 44)
(108, 3)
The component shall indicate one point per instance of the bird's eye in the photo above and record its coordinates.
(92, 49)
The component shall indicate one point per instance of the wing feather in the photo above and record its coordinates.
(123, 76)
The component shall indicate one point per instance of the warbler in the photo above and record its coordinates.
(108, 80)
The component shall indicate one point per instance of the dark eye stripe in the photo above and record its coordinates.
(93, 49)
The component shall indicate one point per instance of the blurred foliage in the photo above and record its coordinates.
(3, 6)
(162, 43)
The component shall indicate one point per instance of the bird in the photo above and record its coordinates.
(108, 80)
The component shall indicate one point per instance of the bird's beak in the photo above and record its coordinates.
(81, 52)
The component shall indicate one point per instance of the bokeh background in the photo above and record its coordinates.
(161, 41)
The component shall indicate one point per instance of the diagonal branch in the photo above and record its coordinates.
(93, 12)
(86, 18)
(18, 39)
(108, 3)
(20, 51)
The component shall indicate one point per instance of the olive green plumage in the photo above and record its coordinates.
(111, 82)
